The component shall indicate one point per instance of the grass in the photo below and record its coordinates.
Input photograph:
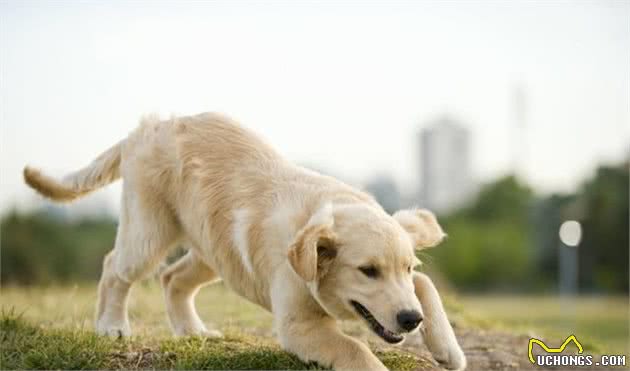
(50, 328)
(25, 346)
(600, 323)
(72, 307)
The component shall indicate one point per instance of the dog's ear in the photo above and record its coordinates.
(314, 245)
(422, 226)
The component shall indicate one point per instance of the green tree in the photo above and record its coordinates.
(489, 244)
(38, 248)
(603, 253)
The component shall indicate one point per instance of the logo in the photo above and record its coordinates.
(533, 341)
(554, 358)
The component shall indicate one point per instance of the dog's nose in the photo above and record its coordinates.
(409, 319)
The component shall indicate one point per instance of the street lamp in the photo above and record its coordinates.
(570, 236)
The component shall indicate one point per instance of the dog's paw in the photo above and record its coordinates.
(213, 334)
(114, 331)
(454, 359)
(199, 331)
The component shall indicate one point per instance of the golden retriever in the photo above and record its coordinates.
(307, 247)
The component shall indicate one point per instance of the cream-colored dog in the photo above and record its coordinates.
(307, 247)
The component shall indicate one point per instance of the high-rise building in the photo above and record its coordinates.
(445, 166)
(384, 189)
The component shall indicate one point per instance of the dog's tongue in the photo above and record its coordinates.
(392, 337)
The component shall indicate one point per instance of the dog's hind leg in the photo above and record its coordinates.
(143, 239)
(181, 282)
(111, 307)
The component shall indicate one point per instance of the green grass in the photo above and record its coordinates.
(600, 323)
(50, 328)
(25, 346)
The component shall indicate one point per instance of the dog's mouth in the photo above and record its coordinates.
(379, 329)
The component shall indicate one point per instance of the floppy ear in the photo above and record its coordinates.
(313, 245)
(422, 226)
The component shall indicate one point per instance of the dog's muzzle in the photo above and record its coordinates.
(379, 329)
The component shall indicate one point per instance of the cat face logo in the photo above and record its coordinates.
(533, 341)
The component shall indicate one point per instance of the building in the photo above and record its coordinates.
(445, 166)
(384, 189)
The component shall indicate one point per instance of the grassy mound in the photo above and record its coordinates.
(26, 346)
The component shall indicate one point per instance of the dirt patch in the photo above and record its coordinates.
(492, 350)
(485, 349)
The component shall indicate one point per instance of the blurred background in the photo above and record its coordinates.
(509, 119)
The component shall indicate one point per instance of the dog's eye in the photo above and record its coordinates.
(370, 271)
(409, 269)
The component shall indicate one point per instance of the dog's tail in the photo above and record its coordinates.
(102, 171)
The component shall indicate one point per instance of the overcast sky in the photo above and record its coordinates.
(345, 87)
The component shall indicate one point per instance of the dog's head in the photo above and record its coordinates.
(358, 262)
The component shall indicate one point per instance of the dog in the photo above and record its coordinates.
(306, 247)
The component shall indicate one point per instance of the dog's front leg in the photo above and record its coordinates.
(320, 340)
(437, 331)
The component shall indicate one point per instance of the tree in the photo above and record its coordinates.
(603, 253)
(38, 248)
(489, 244)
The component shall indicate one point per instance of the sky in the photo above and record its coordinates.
(343, 86)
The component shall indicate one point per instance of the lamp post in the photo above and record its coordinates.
(570, 235)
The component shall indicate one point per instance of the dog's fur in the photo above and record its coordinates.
(289, 239)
